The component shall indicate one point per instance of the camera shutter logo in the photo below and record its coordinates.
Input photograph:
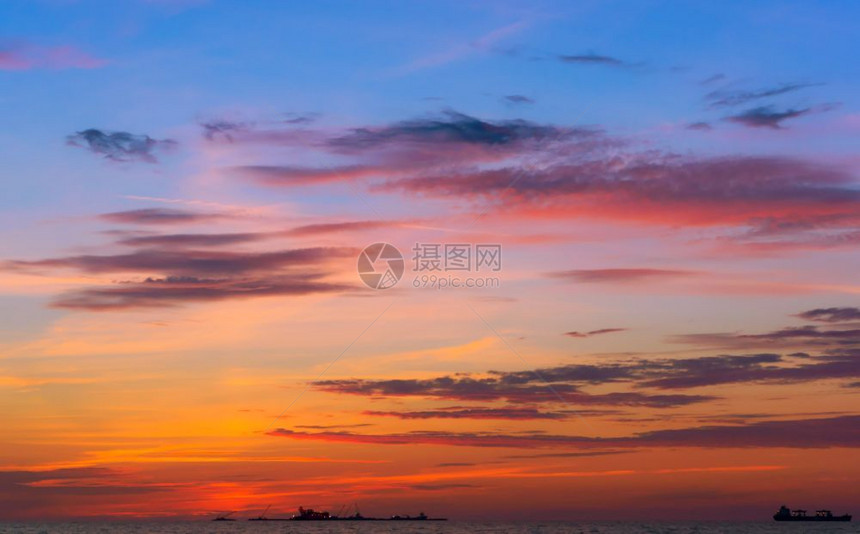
(380, 266)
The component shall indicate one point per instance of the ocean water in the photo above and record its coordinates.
(447, 527)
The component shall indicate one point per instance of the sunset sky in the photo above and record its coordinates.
(673, 333)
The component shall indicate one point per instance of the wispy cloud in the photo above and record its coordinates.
(173, 291)
(220, 239)
(193, 240)
(701, 126)
(337, 227)
(620, 275)
(786, 336)
(594, 332)
(194, 275)
(592, 59)
(838, 360)
(223, 129)
(457, 412)
(725, 98)
(451, 129)
(712, 79)
(512, 387)
(483, 44)
(286, 175)
(34, 493)
(523, 169)
(841, 431)
(160, 216)
(652, 189)
(191, 262)
(23, 56)
(518, 99)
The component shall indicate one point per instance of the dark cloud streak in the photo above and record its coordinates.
(594, 332)
(831, 315)
(120, 146)
(726, 98)
(192, 262)
(516, 414)
(821, 433)
(600, 276)
(160, 216)
(173, 291)
(521, 387)
(592, 59)
(453, 128)
(518, 99)
(767, 117)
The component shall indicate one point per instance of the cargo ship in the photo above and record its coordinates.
(309, 514)
(784, 514)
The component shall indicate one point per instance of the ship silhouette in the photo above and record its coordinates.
(309, 514)
(225, 517)
(784, 514)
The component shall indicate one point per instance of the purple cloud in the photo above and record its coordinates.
(160, 216)
(820, 433)
(831, 315)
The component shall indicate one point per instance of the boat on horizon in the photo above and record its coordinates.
(309, 514)
(225, 517)
(785, 514)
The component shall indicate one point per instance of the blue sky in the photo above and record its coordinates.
(171, 63)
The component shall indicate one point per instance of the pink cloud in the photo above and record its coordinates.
(518, 170)
(28, 57)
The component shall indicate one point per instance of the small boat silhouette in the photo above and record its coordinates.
(225, 517)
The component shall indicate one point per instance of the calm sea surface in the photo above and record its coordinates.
(449, 527)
